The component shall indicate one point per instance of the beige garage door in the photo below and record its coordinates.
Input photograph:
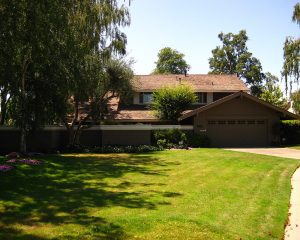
(238, 132)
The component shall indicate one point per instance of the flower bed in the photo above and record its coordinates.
(5, 168)
(30, 161)
(25, 161)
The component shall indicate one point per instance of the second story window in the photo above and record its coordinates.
(146, 98)
(201, 97)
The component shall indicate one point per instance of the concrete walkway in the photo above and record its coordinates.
(278, 152)
(292, 230)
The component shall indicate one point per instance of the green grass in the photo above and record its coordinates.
(197, 194)
(295, 147)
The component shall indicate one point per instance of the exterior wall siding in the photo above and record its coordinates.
(52, 139)
(128, 137)
(243, 109)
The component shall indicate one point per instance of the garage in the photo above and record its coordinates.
(238, 132)
(239, 120)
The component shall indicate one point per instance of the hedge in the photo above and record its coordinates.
(290, 132)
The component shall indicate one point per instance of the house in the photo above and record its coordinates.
(239, 120)
(208, 88)
(225, 111)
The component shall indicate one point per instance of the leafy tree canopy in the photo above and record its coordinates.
(233, 57)
(170, 61)
(272, 93)
(51, 53)
(170, 102)
(295, 97)
(291, 55)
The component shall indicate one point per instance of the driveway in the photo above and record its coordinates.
(278, 152)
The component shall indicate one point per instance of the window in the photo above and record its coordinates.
(201, 97)
(146, 97)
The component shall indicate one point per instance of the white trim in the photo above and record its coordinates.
(141, 127)
(145, 127)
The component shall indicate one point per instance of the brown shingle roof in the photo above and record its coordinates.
(134, 115)
(199, 82)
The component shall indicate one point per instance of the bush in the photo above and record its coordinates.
(290, 131)
(198, 140)
(115, 149)
(170, 138)
(169, 102)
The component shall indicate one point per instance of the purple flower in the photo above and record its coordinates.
(5, 168)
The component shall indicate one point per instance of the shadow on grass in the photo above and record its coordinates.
(102, 230)
(63, 189)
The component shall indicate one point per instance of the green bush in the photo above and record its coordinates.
(170, 138)
(198, 140)
(115, 149)
(290, 132)
(170, 102)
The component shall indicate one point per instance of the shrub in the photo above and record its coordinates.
(198, 140)
(170, 102)
(115, 149)
(170, 138)
(290, 131)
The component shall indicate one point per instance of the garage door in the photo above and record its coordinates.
(238, 132)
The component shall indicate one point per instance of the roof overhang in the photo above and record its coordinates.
(195, 90)
(241, 94)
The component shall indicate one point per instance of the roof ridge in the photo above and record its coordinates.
(189, 74)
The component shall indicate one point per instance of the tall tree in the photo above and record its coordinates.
(108, 80)
(98, 38)
(291, 55)
(233, 57)
(272, 93)
(52, 48)
(32, 40)
(170, 61)
(296, 13)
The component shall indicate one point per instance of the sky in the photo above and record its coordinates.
(192, 28)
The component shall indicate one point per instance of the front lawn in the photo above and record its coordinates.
(196, 194)
(295, 147)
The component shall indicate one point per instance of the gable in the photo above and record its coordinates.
(240, 103)
(240, 106)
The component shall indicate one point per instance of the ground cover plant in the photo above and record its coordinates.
(175, 194)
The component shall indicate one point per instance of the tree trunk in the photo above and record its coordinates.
(3, 112)
(3, 107)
